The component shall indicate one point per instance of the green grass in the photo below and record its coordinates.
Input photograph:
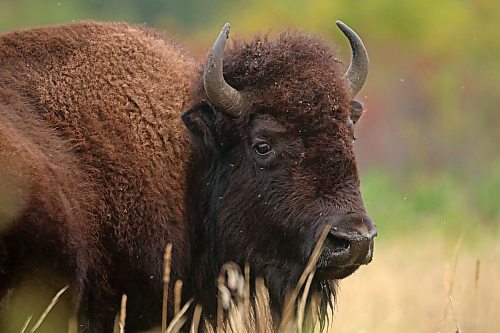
(423, 203)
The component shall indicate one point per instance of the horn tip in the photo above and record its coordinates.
(225, 30)
(342, 26)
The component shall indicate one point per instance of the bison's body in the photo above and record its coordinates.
(90, 126)
(98, 172)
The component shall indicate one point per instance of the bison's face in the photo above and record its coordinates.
(279, 164)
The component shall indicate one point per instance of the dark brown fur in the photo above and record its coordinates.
(94, 150)
(270, 213)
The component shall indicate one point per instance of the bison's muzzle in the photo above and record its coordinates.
(348, 246)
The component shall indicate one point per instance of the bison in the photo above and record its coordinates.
(114, 142)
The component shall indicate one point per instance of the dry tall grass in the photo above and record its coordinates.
(421, 284)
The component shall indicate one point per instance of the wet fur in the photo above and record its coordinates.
(108, 172)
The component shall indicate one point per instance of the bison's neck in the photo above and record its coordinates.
(204, 264)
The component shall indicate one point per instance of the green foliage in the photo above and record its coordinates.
(486, 194)
(417, 203)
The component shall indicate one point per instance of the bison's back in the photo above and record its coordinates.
(113, 95)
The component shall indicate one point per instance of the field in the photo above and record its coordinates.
(435, 267)
(423, 284)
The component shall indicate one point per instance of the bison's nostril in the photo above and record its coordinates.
(338, 244)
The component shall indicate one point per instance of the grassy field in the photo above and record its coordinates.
(423, 284)
(436, 264)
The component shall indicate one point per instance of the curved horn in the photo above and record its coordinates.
(220, 94)
(358, 69)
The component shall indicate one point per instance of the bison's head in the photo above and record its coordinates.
(273, 124)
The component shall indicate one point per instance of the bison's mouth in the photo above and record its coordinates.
(342, 255)
(335, 273)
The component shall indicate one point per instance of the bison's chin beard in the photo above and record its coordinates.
(281, 283)
(327, 290)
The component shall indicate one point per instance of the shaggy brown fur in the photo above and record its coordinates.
(91, 114)
(104, 174)
(297, 103)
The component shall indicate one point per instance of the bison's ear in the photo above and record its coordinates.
(355, 111)
(200, 121)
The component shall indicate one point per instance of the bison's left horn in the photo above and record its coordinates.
(358, 69)
(220, 94)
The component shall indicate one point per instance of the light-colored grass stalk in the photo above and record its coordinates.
(232, 291)
(123, 313)
(455, 263)
(195, 323)
(246, 296)
(25, 325)
(450, 280)
(47, 310)
(177, 297)
(167, 259)
(220, 310)
(303, 301)
(290, 303)
(263, 318)
(179, 318)
(453, 312)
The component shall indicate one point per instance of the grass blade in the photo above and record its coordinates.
(47, 310)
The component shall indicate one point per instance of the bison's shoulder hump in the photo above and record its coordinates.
(60, 42)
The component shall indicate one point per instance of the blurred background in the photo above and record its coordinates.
(428, 144)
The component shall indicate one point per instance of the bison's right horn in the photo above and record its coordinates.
(220, 94)
(358, 69)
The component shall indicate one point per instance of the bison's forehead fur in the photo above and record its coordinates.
(290, 72)
(296, 78)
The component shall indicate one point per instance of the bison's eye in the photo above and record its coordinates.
(262, 148)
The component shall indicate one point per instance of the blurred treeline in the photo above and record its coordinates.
(428, 145)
